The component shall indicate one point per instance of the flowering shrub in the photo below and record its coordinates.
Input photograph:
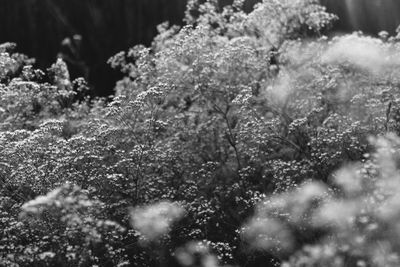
(155, 220)
(221, 145)
(352, 224)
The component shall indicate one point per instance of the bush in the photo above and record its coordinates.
(220, 146)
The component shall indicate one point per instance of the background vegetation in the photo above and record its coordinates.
(107, 27)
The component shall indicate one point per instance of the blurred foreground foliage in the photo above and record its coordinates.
(221, 147)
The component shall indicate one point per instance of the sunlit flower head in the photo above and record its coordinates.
(152, 221)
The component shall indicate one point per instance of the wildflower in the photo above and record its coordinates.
(152, 221)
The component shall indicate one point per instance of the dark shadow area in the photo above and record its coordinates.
(371, 17)
(106, 27)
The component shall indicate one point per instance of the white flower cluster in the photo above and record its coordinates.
(152, 221)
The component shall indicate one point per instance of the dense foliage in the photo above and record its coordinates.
(241, 139)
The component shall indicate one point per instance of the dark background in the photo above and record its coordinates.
(369, 16)
(109, 26)
(106, 27)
